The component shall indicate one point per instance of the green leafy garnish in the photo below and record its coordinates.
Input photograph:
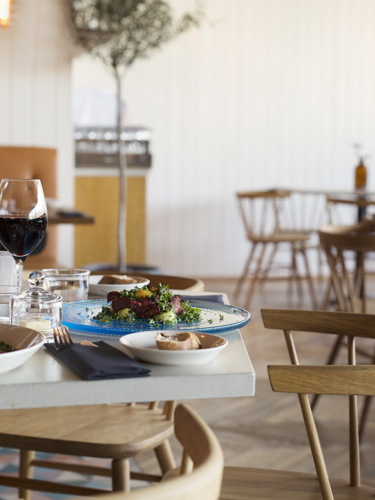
(6, 347)
(189, 314)
(162, 296)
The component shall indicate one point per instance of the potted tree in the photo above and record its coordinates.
(119, 32)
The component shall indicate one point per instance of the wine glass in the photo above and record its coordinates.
(23, 218)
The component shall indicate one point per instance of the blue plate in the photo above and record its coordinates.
(216, 318)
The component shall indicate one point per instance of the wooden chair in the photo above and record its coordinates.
(261, 213)
(349, 285)
(201, 470)
(335, 380)
(342, 207)
(18, 162)
(115, 432)
(245, 483)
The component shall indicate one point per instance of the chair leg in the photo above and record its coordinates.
(245, 271)
(293, 273)
(120, 475)
(255, 277)
(309, 279)
(331, 359)
(297, 276)
(26, 471)
(365, 411)
(327, 296)
(363, 419)
(267, 267)
(165, 457)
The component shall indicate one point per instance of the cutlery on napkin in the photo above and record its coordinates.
(92, 363)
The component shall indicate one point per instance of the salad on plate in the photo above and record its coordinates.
(158, 305)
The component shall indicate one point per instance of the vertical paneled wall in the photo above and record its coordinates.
(265, 93)
(35, 91)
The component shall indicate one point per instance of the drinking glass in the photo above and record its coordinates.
(6, 293)
(71, 284)
(23, 218)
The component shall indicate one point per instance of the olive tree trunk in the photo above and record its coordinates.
(123, 183)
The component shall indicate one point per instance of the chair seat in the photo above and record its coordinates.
(245, 484)
(281, 237)
(103, 431)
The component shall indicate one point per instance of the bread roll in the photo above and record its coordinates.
(183, 341)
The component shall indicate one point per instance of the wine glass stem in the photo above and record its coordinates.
(19, 271)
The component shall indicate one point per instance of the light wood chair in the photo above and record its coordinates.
(262, 213)
(348, 284)
(19, 162)
(348, 281)
(115, 432)
(201, 470)
(246, 483)
(334, 380)
(341, 208)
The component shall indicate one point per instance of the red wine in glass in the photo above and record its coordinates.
(21, 235)
(23, 218)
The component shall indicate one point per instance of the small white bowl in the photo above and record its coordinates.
(95, 288)
(143, 346)
(24, 340)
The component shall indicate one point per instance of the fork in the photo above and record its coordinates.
(61, 338)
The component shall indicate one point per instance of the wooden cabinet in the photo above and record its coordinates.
(99, 196)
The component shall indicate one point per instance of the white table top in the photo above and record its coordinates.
(45, 381)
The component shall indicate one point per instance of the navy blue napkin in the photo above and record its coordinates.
(204, 298)
(99, 363)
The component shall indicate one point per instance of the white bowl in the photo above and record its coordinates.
(24, 340)
(143, 346)
(98, 289)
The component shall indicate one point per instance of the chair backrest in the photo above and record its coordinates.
(262, 211)
(344, 208)
(324, 379)
(336, 380)
(340, 210)
(202, 450)
(18, 162)
(337, 241)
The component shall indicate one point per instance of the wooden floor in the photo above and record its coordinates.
(267, 430)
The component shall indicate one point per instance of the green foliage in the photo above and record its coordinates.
(121, 31)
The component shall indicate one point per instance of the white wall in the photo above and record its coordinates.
(35, 91)
(267, 93)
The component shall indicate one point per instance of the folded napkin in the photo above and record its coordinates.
(99, 363)
(204, 298)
